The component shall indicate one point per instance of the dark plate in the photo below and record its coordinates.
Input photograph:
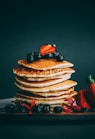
(43, 118)
(47, 118)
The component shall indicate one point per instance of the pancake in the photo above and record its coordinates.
(45, 78)
(45, 64)
(59, 86)
(26, 72)
(41, 83)
(47, 94)
(69, 95)
(51, 102)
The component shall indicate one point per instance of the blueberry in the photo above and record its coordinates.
(30, 57)
(24, 109)
(35, 53)
(48, 56)
(34, 109)
(85, 110)
(19, 107)
(41, 105)
(11, 108)
(60, 58)
(37, 108)
(55, 54)
(93, 110)
(37, 56)
(46, 108)
(58, 109)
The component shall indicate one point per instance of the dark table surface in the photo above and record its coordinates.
(48, 131)
(70, 125)
(44, 127)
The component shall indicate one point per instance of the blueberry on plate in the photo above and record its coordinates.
(19, 107)
(37, 108)
(93, 110)
(46, 108)
(58, 109)
(34, 109)
(30, 57)
(11, 108)
(24, 110)
(85, 110)
(60, 58)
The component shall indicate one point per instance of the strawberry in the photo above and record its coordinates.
(47, 48)
(90, 95)
(76, 108)
(81, 99)
(67, 109)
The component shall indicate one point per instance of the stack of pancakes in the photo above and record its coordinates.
(46, 81)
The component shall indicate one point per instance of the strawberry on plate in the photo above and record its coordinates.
(90, 95)
(81, 99)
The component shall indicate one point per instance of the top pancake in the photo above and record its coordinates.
(45, 64)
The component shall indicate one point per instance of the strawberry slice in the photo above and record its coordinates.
(76, 108)
(81, 100)
(67, 109)
(47, 48)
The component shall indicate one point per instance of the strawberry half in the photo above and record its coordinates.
(47, 48)
(81, 99)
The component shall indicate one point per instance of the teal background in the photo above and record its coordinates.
(25, 25)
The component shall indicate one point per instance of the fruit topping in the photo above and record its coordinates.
(37, 56)
(41, 108)
(76, 108)
(85, 110)
(46, 108)
(48, 56)
(55, 54)
(16, 108)
(37, 108)
(58, 109)
(47, 48)
(11, 108)
(67, 109)
(81, 99)
(46, 51)
(24, 110)
(60, 57)
(93, 110)
(90, 95)
(30, 57)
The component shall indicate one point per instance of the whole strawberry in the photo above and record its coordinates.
(81, 99)
(90, 95)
